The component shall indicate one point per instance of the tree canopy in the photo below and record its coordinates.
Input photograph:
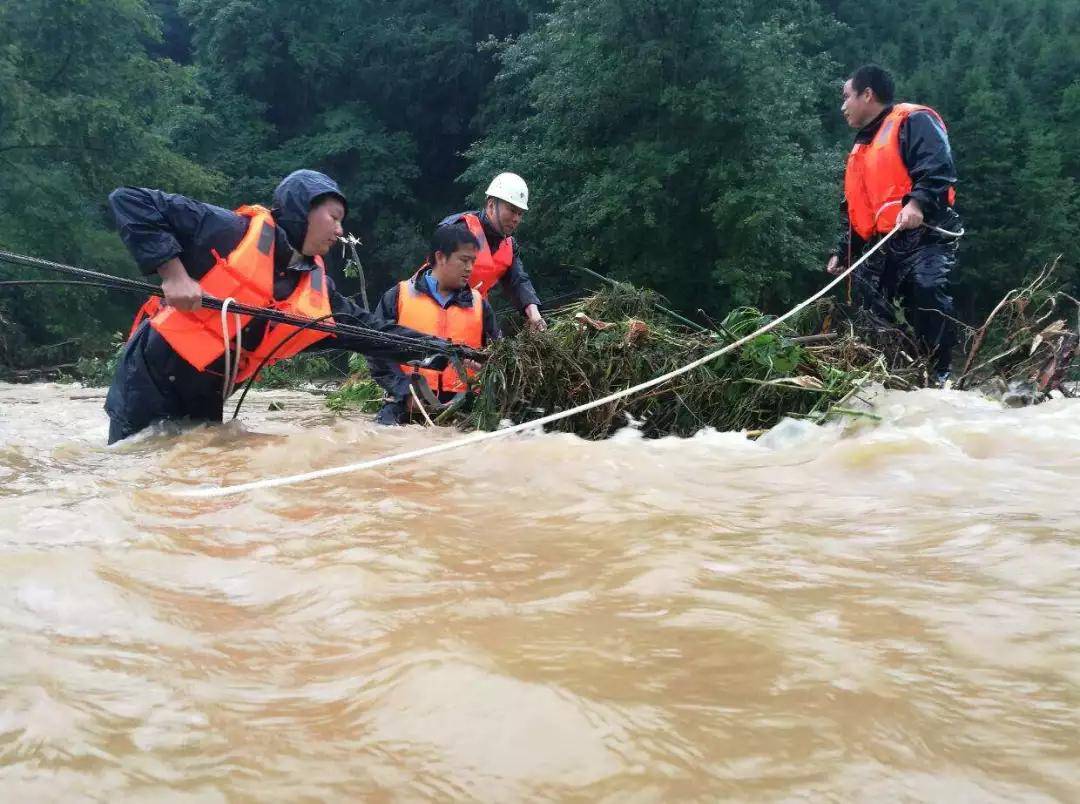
(692, 147)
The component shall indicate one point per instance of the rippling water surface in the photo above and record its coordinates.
(887, 612)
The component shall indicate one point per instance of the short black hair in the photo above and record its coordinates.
(877, 79)
(449, 239)
(319, 200)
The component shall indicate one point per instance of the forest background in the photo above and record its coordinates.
(692, 146)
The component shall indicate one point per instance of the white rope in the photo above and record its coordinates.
(885, 206)
(230, 367)
(938, 229)
(957, 235)
(420, 405)
(477, 438)
(227, 357)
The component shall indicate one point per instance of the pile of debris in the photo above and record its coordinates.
(1024, 351)
(812, 367)
(623, 336)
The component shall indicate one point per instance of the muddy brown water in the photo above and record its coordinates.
(886, 612)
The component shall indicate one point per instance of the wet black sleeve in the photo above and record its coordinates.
(517, 285)
(347, 311)
(491, 325)
(386, 372)
(924, 146)
(848, 244)
(157, 226)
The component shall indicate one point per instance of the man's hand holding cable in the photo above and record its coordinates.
(473, 358)
(181, 291)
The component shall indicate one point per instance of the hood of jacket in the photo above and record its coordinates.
(293, 199)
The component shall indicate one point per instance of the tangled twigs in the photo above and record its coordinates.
(353, 266)
(1028, 330)
(622, 336)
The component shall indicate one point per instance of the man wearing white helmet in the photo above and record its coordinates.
(497, 262)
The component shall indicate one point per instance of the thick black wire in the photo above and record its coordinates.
(16, 282)
(122, 283)
(265, 360)
(251, 380)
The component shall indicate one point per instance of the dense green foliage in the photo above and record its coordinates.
(84, 107)
(692, 147)
(677, 144)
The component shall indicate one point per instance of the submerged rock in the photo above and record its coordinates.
(1020, 394)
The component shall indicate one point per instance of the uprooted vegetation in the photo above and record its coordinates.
(812, 367)
(620, 337)
(1024, 350)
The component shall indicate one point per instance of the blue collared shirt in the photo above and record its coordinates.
(433, 286)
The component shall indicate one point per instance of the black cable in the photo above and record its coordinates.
(120, 283)
(265, 360)
(14, 282)
(267, 314)
(263, 313)
(106, 285)
(251, 380)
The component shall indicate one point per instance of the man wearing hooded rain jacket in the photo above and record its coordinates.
(185, 242)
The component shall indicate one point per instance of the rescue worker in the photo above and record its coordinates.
(437, 300)
(498, 263)
(900, 170)
(173, 365)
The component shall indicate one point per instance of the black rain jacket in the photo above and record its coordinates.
(152, 381)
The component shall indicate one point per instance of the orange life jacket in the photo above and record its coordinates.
(465, 325)
(309, 299)
(489, 268)
(246, 275)
(876, 179)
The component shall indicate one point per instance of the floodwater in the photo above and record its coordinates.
(884, 612)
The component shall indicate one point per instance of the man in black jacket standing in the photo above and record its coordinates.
(498, 262)
(900, 172)
(161, 374)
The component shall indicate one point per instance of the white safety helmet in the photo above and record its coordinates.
(511, 188)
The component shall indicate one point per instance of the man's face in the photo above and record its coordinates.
(505, 215)
(859, 108)
(324, 227)
(454, 271)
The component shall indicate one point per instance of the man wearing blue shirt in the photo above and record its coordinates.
(437, 299)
